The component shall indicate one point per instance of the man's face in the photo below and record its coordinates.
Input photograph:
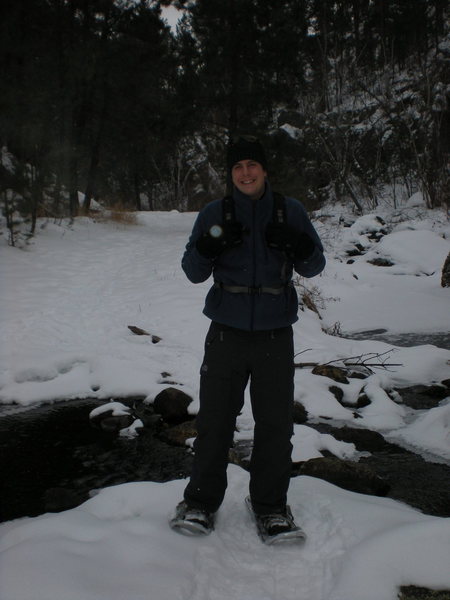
(249, 178)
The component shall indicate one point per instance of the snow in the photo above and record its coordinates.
(66, 303)
(409, 250)
(118, 545)
(416, 200)
(431, 429)
(117, 409)
(365, 297)
(171, 15)
(292, 131)
(308, 443)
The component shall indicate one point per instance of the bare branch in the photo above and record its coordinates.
(366, 361)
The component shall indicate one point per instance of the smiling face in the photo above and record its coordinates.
(249, 177)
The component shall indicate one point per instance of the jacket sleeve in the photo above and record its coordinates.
(315, 264)
(197, 267)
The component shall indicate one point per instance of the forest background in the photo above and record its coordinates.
(103, 97)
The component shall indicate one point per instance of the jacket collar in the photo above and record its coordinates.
(265, 198)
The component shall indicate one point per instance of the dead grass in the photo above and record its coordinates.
(117, 214)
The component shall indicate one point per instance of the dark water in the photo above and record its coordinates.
(51, 458)
(441, 340)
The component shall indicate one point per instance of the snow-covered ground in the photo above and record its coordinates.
(66, 303)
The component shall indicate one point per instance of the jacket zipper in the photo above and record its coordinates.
(252, 296)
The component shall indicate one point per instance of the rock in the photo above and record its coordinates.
(112, 417)
(363, 400)
(445, 279)
(436, 391)
(375, 236)
(358, 250)
(172, 405)
(300, 414)
(420, 397)
(139, 331)
(345, 474)
(179, 434)
(411, 592)
(364, 439)
(240, 453)
(133, 430)
(146, 414)
(358, 374)
(335, 373)
(337, 392)
(381, 262)
(346, 220)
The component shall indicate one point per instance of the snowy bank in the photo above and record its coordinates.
(118, 545)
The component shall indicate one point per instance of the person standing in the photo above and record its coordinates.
(251, 244)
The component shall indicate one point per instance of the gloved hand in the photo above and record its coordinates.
(295, 244)
(219, 238)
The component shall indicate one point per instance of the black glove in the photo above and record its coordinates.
(295, 244)
(219, 238)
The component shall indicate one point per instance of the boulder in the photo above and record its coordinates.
(172, 405)
(420, 397)
(179, 434)
(337, 392)
(445, 279)
(335, 373)
(345, 474)
(363, 401)
(365, 440)
(300, 415)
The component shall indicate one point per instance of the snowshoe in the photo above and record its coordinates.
(276, 528)
(191, 521)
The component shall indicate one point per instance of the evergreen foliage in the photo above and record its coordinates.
(102, 97)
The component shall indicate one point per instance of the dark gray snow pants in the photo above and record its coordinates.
(232, 358)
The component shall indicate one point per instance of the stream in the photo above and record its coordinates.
(52, 459)
(440, 339)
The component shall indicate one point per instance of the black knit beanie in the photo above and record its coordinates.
(246, 148)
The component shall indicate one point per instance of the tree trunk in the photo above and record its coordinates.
(137, 193)
(95, 160)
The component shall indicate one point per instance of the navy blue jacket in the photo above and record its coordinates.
(252, 263)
